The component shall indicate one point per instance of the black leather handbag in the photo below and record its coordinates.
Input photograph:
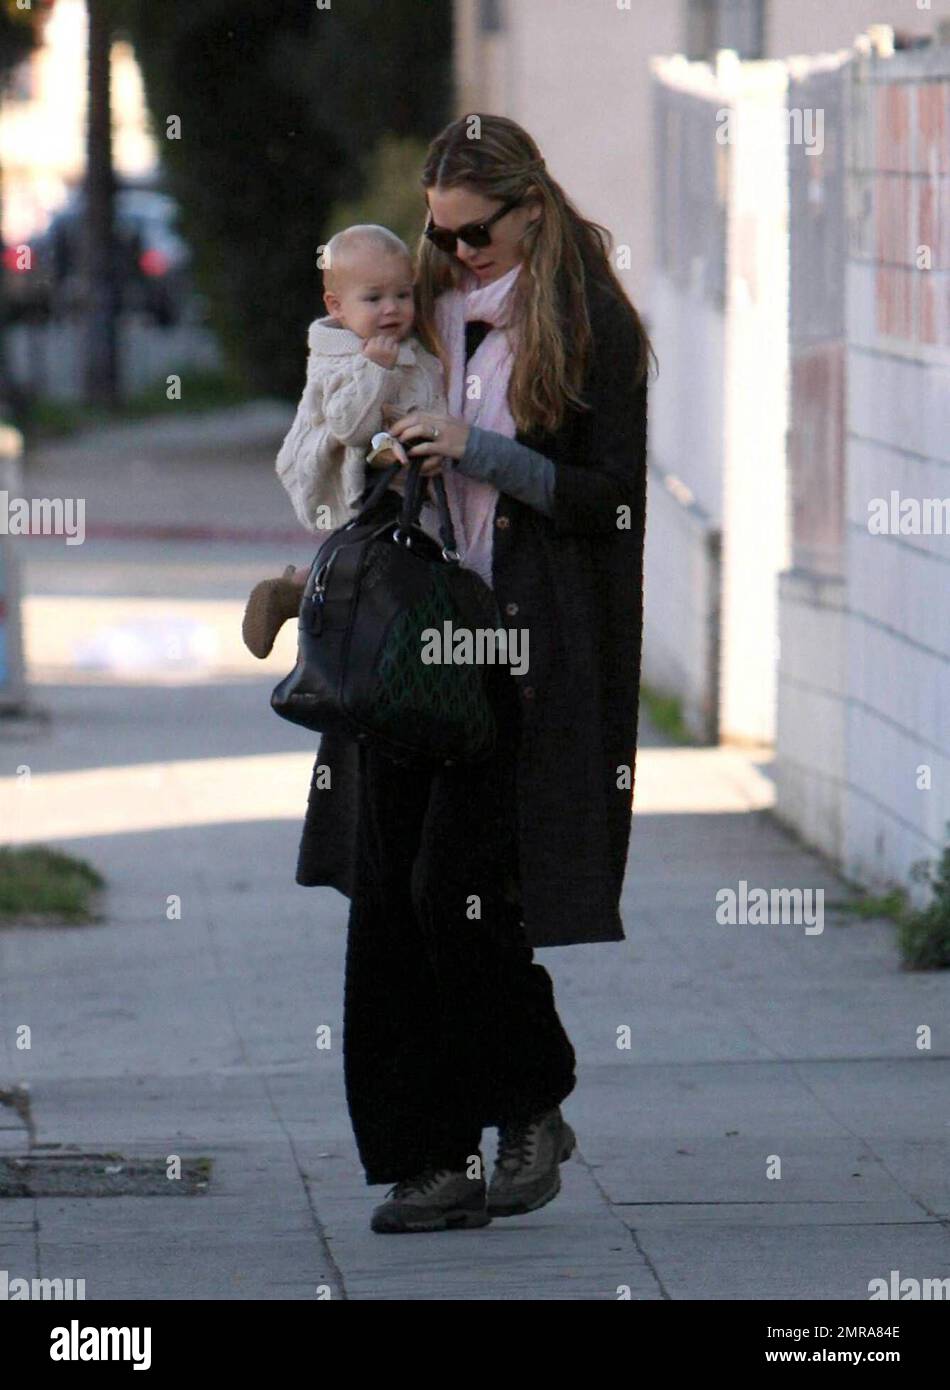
(375, 586)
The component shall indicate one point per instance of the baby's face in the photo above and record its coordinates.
(373, 294)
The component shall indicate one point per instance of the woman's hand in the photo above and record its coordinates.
(416, 432)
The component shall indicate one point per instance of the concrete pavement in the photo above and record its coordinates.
(185, 1023)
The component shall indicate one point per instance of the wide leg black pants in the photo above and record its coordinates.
(449, 1026)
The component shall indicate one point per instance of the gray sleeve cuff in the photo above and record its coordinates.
(510, 467)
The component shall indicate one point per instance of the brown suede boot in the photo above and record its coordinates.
(271, 603)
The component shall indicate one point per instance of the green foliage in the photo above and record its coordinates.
(39, 882)
(393, 195)
(203, 390)
(924, 933)
(666, 714)
(863, 908)
(281, 104)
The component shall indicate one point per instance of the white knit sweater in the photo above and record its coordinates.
(322, 461)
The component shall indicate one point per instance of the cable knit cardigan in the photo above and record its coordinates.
(322, 460)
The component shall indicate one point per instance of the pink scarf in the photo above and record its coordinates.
(477, 391)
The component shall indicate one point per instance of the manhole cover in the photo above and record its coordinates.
(100, 1175)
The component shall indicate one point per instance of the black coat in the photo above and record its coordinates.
(575, 581)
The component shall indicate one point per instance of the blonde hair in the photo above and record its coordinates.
(562, 252)
(342, 245)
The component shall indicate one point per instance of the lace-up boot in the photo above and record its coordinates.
(527, 1173)
(437, 1199)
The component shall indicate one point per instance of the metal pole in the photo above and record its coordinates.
(12, 681)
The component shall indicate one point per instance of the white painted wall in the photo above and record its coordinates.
(575, 73)
(821, 26)
(755, 530)
(682, 571)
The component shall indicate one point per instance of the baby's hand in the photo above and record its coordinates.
(383, 349)
(393, 453)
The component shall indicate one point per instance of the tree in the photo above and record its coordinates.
(267, 112)
(20, 31)
(101, 300)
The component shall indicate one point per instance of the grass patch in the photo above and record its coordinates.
(39, 884)
(923, 933)
(867, 906)
(666, 714)
(201, 391)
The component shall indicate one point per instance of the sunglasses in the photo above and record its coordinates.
(474, 234)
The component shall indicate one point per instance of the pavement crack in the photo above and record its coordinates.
(629, 1230)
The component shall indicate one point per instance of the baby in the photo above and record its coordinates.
(364, 372)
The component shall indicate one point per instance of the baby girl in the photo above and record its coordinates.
(364, 372)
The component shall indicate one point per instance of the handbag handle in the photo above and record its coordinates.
(412, 506)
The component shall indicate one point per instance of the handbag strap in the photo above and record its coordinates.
(446, 529)
(379, 487)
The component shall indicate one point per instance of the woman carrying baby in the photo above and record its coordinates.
(456, 874)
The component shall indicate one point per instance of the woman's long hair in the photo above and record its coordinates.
(562, 250)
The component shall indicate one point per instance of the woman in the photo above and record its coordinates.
(454, 876)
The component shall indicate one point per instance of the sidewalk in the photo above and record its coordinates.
(196, 1035)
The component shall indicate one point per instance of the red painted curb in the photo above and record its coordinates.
(136, 531)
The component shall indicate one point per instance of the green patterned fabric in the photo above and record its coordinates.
(412, 694)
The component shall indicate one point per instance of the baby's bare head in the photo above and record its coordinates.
(367, 281)
(361, 248)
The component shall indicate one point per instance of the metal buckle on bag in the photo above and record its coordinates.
(450, 554)
(399, 533)
(319, 594)
(320, 584)
(316, 611)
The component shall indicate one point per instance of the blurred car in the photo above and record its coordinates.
(152, 261)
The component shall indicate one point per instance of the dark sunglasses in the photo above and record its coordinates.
(474, 234)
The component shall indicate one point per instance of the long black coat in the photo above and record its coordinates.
(575, 581)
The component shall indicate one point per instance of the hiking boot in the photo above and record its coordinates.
(527, 1175)
(271, 603)
(437, 1199)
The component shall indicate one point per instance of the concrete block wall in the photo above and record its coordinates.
(810, 771)
(682, 600)
(897, 627)
(812, 708)
(682, 577)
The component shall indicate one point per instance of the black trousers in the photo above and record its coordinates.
(449, 1026)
